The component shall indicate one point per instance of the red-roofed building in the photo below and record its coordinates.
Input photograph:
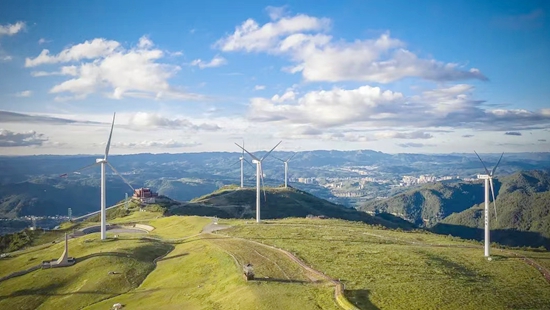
(146, 195)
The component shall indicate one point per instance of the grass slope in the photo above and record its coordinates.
(199, 274)
(281, 202)
(383, 269)
(84, 283)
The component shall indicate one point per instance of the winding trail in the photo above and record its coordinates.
(339, 296)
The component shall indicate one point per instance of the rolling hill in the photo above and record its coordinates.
(280, 202)
(523, 208)
(180, 266)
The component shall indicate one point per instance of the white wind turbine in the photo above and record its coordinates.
(286, 167)
(488, 182)
(242, 160)
(259, 175)
(103, 161)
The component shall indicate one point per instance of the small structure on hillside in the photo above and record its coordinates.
(145, 195)
(62, 261)
(248, 272)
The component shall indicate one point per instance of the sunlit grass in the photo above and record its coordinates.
(395, 274)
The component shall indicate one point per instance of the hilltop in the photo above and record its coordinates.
(278, 202)
(523, 205)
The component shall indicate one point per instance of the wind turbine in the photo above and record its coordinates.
(286, 167)
(242, 160)
(488, 182)
(259, 175)
(103, 161)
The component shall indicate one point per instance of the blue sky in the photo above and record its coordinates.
(393, 76)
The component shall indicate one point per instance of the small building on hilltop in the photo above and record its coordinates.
(145, 195)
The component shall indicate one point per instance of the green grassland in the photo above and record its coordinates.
(380, 267)
(200, 274)
(380, 271)
(83, 284)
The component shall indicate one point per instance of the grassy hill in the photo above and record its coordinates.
(177, 268)
(523, 208)
(280, 202)
(431, 203)
(523, 213)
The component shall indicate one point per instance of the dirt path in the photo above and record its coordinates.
(317, 275)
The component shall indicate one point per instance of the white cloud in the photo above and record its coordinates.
(11, 29)
(217, 61)
(259, 87)
(88, 50)
(65, 70)
(43, 41)
(320, 57)
(13, 139)
(156, 144)
(122, 72)
(403, 135)
(144, 120)
(325, 108)
(25, 93)
(6, 58)
(371, 108)
(415, 145)
(249, 36)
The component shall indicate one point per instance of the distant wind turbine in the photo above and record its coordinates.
(286, 167)
(242, 160)
(488, 182)
(103, 161)
(259, 176)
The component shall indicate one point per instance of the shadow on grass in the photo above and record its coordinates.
(146, 253)
(509, 237)
(172, 257)
(455, 269)
(48, 291)
(360, 298)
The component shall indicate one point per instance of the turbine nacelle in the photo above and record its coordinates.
(100, 160)
(483, 176)
(255, 161)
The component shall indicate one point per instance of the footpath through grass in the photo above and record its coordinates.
(200, 274)
(381, 272)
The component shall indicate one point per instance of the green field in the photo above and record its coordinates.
(381, 269)
(383, 272)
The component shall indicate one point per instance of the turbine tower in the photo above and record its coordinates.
(286, 167)
(259, 176)
(488, 183)
(103, 162)
(242, 160)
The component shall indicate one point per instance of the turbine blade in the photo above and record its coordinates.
(262, 178)
(271, 151)
(251, 155)
(486, 170)
(277, 158)
(77, 170)
(251, 165)
(233, 164)
(291, 157)
(494, 200)
(495, 167)
(120, 175)
(110, 136)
